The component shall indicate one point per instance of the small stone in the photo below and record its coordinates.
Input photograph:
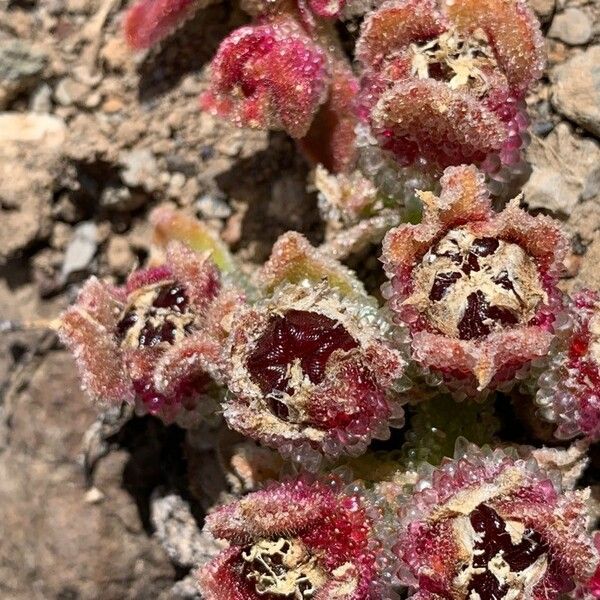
(191, 86)
(589, 274)
(33, 128)
(119, 256)
(61, 234)
(116, 54)
(544, 9)
(229, 145)
(41, 99)
(20, 66)
(176, 163)
(94, 496)
(65, 208)
(112, 105)
(68, 91)
(83, 74)
(176, 183)
(574, 27)
(139, 169)
(81, 249)
(213, 207)
(130, 131)
(576, 89)
(81, 6)
(121, 198)
(93, 100)
(572, 265)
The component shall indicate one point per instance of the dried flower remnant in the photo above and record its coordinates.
(269, 76)
(492, 527)
(569, 387)
(444, 81)
(312, 368)
(157, 340)
(297, 540)
(477, 289)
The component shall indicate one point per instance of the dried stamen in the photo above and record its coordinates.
(283, 569)
(456, 60)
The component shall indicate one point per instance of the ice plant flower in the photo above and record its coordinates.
(297, 540)
(155, 341)
(476, 288)
(569, 387)
(444, 80)
(270, 76)
(311, 369)
(488, 526)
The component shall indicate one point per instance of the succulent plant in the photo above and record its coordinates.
(311, 366)
(476, 288)
(298, 357)
(492, 526)
(325, 544)
(443, 81)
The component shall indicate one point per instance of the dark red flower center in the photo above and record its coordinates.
(299, 336)
(470, 286)
(500, 554)
(155, 315)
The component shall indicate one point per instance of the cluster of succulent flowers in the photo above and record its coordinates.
(302, 360)
(313, 371)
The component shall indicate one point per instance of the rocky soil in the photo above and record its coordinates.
(91, 138)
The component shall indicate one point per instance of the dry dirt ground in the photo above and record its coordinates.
(92, 137)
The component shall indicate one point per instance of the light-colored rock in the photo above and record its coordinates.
(566, 170)
(20, 66)
(46, 130)
(116, 53)
(574, 27)
(41, 99)
(213, 207)
(68, 91)
(178, 532)
(54, 544)
(139, 169)
(81, 249)
(119, 256)
(589, 274)
(121, 198)
(26, 189)
(544, 9)
(576, 89)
